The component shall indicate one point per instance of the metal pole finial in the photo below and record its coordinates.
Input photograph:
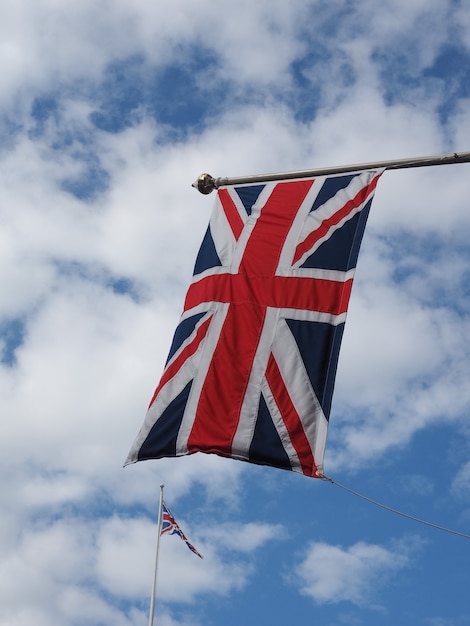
(205, 184)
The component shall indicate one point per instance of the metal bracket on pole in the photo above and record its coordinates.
(206, 183)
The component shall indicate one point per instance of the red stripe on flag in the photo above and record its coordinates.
(231, 213)
(290, 418)
(288, 292)
(325, 226)
(187, 352)
(226, 380)
(268, 237)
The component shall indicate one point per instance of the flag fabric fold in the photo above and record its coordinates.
(170, 526)
(252, 366)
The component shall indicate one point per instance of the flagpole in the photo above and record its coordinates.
(206, 183)
(159, 532)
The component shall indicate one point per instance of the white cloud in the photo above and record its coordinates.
(45, 44)
(44, 565)
(461, 482)
(418, 484)
(165, 619)
(77, 569)
(244, 537)
(125, 558)
(332, 573)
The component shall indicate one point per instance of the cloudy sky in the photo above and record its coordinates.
(109, 111)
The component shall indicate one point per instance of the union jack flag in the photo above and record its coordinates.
(251, 369)
(170, 526)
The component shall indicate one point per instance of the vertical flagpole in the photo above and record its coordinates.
(159, 531)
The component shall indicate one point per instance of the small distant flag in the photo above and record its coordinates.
(170, 526)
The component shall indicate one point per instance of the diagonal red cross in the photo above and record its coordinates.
(249, 292)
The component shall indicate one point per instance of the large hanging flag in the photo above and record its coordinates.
(251, 369)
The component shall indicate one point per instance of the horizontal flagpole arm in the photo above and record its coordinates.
(206, 183)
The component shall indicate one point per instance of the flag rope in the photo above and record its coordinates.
(207, 183)
(392, 510)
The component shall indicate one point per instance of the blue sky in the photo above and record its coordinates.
(109, 111)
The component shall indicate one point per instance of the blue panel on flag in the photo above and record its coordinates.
(361, 226)
(207, 256)
(340, 251)
(330, 187)
(161, 440)
(249, 195)
(266, 447)
(183, 331)
(319, 346)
